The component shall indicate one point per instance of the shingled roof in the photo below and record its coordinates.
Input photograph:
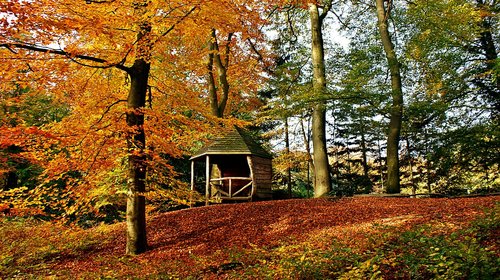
(236, 142)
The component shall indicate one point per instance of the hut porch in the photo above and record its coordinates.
(236, 168)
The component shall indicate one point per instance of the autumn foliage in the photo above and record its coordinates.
(83, 54)
(103, 101)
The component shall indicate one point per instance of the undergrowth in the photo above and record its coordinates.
(30, 247)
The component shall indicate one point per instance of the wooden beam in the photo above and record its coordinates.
(244, 187)
(192, 175)
(207, 183)
(192, 185)
(249, 198)
(250, 165)
(231, 178)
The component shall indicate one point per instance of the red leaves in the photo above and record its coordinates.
(208, 229)
(176, 238)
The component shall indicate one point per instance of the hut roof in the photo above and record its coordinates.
(236, 142)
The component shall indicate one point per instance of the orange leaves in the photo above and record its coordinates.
(81, 56)
(192, 239)
(23, 138)
(207, 229)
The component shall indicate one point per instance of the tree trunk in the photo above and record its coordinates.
(12, 179)
(367, 185)
(489, 49)
(306, 135)
(396, 111)
(410, 162)
(364, 149)
(136, 141)
(212, 89)
(322, 181)
(218, 105)
(307, 138)
(428, 161)
(287, 151)
(380, 166)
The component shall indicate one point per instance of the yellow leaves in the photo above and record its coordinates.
(365, 270)
(451, 20)
(91, 139)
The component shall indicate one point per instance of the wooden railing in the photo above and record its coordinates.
(217, 184)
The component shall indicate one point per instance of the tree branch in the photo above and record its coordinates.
(178, 21)
(108, 108)
(340, 20)
(99, 1)
(11, 46)
(260, 58)
(326, 8)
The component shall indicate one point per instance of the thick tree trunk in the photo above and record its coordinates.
(136, 142)
(396, 111)
(322, 180)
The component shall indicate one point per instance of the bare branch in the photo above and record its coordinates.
(260, 58)
(66, 54)
(340, 20)
(178, 21)
(108, 108)
(290, 25)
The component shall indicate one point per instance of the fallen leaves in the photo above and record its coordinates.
(178, 240)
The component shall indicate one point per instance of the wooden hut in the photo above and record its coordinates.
(236, 168)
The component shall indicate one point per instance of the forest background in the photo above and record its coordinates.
(103, 101)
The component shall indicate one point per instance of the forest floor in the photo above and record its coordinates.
(348, 238)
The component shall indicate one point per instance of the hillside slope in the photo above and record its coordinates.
(200, 241)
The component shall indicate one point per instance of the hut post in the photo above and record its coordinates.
(192, 175)
(250, 165)
(192, 185)
(207, 183)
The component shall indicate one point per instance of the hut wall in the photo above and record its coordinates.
(262, 175)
